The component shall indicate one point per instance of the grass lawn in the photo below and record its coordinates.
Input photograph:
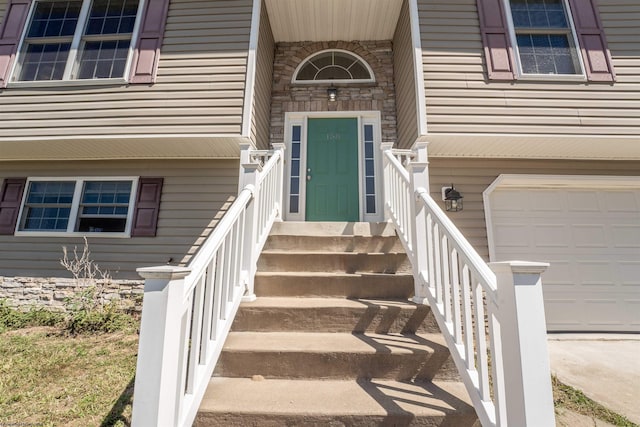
(48, 378)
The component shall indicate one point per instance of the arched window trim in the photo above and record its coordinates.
(309, 58)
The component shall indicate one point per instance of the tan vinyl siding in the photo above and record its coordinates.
(460, 100)
(403, 70)
(472, 176)
(199, 90)
(195, 195)
(260, 120)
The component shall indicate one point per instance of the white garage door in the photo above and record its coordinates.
(591, 237)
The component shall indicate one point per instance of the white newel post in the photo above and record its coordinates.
(419, 175)
(157, 384)
(527, 377)
(384, 147)
(280, 147)
(249, 178)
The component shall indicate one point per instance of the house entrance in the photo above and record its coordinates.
(332, 170)
(332, 185)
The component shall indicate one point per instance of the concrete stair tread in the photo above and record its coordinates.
(322, 342)
(325, 229)
(325, 252)
(329, 398)
(328, 274)
(327, 302)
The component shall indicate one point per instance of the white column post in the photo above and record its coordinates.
(160, 350)
(281, 148)
(384, 147)
(249, 180)
(527, 377)
(419, 175)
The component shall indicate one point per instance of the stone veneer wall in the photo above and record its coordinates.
(52, 292)
(377, 96)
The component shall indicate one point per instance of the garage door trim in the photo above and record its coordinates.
(548, 181)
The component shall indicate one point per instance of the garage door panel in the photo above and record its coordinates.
(604, 313)
(591, 238)
(630, 277)
(510, 201)
(513, 235)
(551, 235)
(622, 201)
(596, 273)
(626, 236)
(583, 201)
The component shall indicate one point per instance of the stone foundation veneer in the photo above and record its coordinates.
(51, 292)
(291, 97)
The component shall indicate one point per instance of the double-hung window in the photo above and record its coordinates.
(78, 205)
(77, 40)
(544, 36)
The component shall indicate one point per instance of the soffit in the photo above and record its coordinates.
(571, 147)
(325, 20)
(126, 147)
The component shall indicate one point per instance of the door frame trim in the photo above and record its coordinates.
(364, 118)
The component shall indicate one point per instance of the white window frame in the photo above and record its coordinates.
(75, 207)
(519, 74)
(364, 118)
(310, 57)
(73, 63)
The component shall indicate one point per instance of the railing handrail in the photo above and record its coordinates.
(188, 311)
(485, 313)
(208, 249)
(270, 164)
(486, 276)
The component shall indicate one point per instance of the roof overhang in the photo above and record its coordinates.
(122, 147)
(325, 20)
(570, 147)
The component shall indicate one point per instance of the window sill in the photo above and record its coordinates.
(68, 83)
(580, 78)
(124, 235)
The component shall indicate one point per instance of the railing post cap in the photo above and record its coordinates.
(386, 146)
(252, 167)
(419, 145)
(519, 267)
(167, 272)
(279, 146)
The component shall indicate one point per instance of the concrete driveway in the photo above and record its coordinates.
(606, 367)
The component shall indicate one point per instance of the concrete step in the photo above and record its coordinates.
(309, 284)
(292, 228)
(320, 355)
(346, 262)
(240, 402)
(357, 244)
(280, 314)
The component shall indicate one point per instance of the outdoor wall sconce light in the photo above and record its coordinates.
(452, 199)
(332, 94)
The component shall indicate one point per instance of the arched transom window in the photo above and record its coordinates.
(331, 66)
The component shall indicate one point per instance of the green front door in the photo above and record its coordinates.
(332, 170)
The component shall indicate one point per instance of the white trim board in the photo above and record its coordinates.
(252, 59)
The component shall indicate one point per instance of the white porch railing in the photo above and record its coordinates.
(491, 315)
(187, 311)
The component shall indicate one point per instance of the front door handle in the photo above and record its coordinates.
(308, 177)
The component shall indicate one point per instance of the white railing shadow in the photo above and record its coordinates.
(491, 315)
(187, 312)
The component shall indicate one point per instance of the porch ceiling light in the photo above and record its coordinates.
(452, 199)
(332, 94)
